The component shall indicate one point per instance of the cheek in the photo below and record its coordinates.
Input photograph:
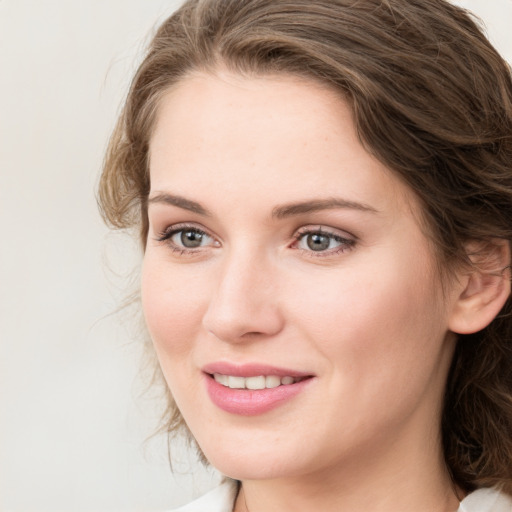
(375, 320)
(172, 303)
(380, 335)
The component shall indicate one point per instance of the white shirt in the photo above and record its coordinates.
(222, 499)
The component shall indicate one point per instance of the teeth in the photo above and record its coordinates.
(236, 382)
(255, 382)
(221, 379)
(258, 382)
(272, 381)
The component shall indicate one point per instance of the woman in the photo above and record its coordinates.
(324, 197)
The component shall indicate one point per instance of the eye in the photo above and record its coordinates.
(186, 238)
(320, 241)
(190, 238)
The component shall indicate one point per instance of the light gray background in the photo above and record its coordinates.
(72, 425)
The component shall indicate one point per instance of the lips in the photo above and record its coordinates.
(249, 390)
(251, 370)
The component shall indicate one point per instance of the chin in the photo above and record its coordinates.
(253, 469)
(247, 464)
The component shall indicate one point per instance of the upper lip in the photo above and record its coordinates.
(251, 370)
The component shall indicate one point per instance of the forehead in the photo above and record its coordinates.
(203, 104)
(277, 138)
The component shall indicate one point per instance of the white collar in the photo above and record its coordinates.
(486, 500)
(222, 499)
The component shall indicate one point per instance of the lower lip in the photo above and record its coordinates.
(248, 402)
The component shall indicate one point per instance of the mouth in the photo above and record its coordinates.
(256, 382)
(253, 389)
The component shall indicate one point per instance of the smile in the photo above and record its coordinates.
(253, 389)
(258, 382)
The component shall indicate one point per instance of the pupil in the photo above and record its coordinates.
(191, 239)
(318, 242)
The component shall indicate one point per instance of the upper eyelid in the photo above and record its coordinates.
(181, 226)
(326, 230)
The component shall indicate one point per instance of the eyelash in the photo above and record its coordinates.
(346, 244)
(166, 237)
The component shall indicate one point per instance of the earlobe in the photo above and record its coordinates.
(485, 287)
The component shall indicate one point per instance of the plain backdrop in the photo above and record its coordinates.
(73, 422)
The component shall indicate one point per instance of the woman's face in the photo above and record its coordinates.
(282, 257)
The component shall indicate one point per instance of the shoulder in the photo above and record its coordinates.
(486, 500)
(220, 499)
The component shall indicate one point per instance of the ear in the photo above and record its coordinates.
(484, 287)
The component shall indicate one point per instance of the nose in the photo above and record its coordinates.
(244, 304)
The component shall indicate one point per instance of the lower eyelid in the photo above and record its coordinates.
(327, 253)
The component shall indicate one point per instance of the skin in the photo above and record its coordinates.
(366, 316)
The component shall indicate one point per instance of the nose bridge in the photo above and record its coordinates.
(244, 300)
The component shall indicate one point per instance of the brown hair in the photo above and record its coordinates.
(431, 99)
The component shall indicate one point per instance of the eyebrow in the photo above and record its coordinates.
(279, 212)
(316, 205)
(180, 202)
